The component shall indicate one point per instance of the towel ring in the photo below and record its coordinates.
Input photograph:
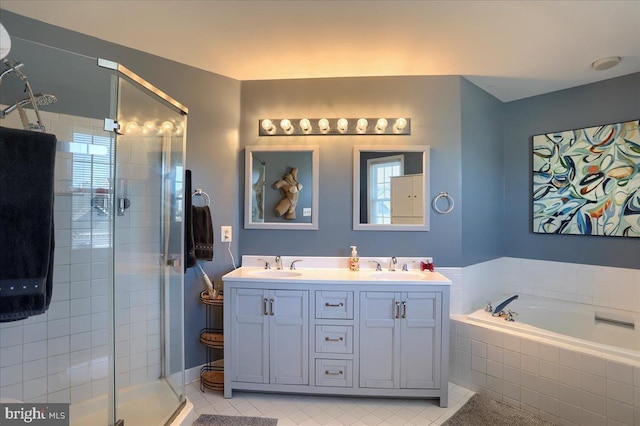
(201, 193)
(447, 197)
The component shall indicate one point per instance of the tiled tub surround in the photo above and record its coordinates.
(563, 383)
(557, 380)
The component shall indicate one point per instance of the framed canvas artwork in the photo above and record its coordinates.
(587, 181)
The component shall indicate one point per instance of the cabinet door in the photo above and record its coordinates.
(420, 330)
(250, 335)
(402, 196)
(379, 345)
(418, 195)
(289, 337)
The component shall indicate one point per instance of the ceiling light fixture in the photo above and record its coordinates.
(606, 63)
(334, 126)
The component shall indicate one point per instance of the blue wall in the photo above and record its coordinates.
(432, 102)
(609, 101)
(482, 176)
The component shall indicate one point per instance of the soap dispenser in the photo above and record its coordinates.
(354, 260)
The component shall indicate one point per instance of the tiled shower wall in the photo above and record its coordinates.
(64, 354)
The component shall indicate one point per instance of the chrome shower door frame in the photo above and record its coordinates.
(170, 224)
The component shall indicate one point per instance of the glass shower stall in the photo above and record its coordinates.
(111, 342)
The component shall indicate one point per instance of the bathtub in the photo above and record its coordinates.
(602, 330)
(556, 360)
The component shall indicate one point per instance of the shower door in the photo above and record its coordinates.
(148, 247)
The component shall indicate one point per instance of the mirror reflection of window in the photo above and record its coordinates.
(380, 171)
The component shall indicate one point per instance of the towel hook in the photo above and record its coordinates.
(201, 193)
(447, 197)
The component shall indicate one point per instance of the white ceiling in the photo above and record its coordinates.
(512, 49)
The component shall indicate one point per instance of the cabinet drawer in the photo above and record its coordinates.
(334, 304)
(334, 372)
(335, 339)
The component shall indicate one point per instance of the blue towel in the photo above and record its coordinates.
(27, 161)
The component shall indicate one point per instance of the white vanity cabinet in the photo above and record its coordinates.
(270, 336)
(337, 333)
(400, 339)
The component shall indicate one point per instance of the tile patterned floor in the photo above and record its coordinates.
(307, 410)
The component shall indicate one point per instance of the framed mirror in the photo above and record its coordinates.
(281, 187)
(391, 188)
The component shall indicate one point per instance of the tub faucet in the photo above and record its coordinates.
(509, 316)
(278, 262)
(499, 310)
(392, 264)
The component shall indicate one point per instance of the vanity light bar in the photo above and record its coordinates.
(333, 126)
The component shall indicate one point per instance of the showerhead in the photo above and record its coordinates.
(40, 100)
(12, 66)
(45, 99)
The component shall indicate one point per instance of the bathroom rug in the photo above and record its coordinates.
(218, 420)
(481, 410)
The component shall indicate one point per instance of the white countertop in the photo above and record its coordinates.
(330, 269)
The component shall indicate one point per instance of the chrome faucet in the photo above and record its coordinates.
(392, 264)
(378, 267)
(278, 262)
(293, 264)
(267, 265)
(499, 310)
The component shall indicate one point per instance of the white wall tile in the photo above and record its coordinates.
(620, 392)
(620, 372)
(595, 384)
(593, 364)
(620, 412)
(549, 405)
(11, 355)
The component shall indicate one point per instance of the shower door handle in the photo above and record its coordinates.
(174, 260)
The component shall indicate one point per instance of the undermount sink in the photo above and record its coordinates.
(275, 273)
(396, 275)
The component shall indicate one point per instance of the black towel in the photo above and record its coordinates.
(27, 161)
(189, 253)
(202, 232)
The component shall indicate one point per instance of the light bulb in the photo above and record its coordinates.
(148, 126)
(361, 126)
(167, 125)
(305, 125)
(268, 126)
(400, 124)
(381, 125)
(343, 125)
(132, 126)
(323, 124)
(285, 124)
